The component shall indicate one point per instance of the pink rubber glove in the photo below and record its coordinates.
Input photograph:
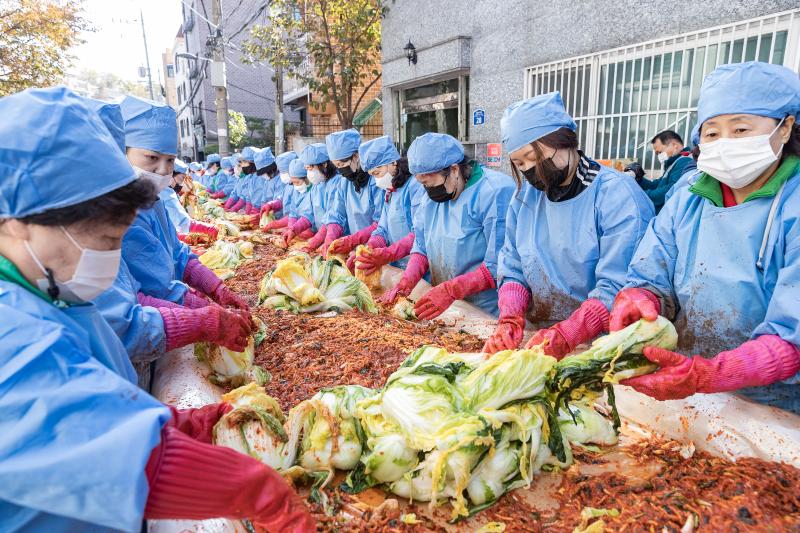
(586, 323)
(298, 226)
(350, 263)
(378, 257)
(316, 241)
(376, 241)
(200, 277)
(438, 299)
(195, 300)
(207, 229)
(228, 204)
(248, 209)
(632, 304)
(416, 268)
(334, 232)
(345, 245)
(227, 298)
(513, 300)
(271, 207)
(276, 224)
(149, 301)
(306, 234)
(190, 479)
(762, 361)
(238, 205)
(198, 422)
(209, 324)
(218, 195)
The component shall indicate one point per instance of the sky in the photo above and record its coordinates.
(116, 46)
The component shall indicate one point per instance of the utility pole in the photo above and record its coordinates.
(278, 109)
(218, 80)
(146, 57)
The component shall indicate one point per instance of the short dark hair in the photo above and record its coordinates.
(403, 173)
(464, 166)
(116, 207)
(792, 146)
(328, 169)
(667, 136)
(210, 165)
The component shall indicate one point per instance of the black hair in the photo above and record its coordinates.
(328, 169)
(403, 173)
(116, 207)
(465, 166)
(213, 165)
(792, 146)
(667, 136)
(269, 170)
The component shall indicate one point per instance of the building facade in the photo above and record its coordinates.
(626, 69)
(251, 90)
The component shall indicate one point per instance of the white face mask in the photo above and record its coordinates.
(737, 162)
(315, 176)
(96, 272)
(285, 178)
(161, 181)
(301, 188)
(385, 181)
(662, 157)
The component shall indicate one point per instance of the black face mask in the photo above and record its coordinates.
(176, 188)
(439, 194)
(347, 172)
(549, 177)
(249, 169)
(359, 178)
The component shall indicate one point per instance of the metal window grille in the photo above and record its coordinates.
(621, 98)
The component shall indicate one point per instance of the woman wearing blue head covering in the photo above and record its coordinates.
(281, 188)
(239, 197)
(570, 233)
(722, 259)
(356, 207)
(459, 229)
(150, 138)
(211, 168)
(264, 182)
(326, 182)
(308, 212)
(392, 240)
(67, 388)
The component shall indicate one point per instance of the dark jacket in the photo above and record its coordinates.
(675, 167)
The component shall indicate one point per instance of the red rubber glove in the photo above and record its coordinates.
(376, 241)
(149, 301)
(198, 423)
(306, 234)
(227, 298)
(297, 227)
(416, 268)
(208, 324)
(632, 304)
(379, 257)
(218, 195)
(238, 206)
(249, 209)
(193, 480)
(207, 229)
(195, 300)
(272, 207)
(276, 224)
(350, 263)
(345, 245)
(316, 241)
(586, 323)
(228, 204)
(762, 361)
(334, 231)
(513, 301)
(438, 299)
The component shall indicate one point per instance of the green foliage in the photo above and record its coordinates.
(333, 46)
(237, 129)
(35, 36)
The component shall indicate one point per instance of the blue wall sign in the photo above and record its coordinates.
(478, 117)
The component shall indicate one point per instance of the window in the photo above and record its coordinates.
(621, 98)
(170, 71)
(183, 131)
(438, 107)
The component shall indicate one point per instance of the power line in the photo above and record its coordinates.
(249, 21)
(251, 92)
(198, 13)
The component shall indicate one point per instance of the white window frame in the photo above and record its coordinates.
(553, 76)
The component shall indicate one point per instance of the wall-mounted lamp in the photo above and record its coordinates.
(411, 53)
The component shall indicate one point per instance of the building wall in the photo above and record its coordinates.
(251, 90)
(167, 67)
(501, 38)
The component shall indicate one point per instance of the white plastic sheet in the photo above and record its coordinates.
(722, 424)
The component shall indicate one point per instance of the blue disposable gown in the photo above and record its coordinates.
(286, 196)
(70, 404)
(301, 205)
(261, 190)
(397, 215)
(322, 197)
(140, 328)
(566, 252)
(175, 211)
(701, 261)
(458, 235)
(155, 256)
(228, 185)
(353, 210)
